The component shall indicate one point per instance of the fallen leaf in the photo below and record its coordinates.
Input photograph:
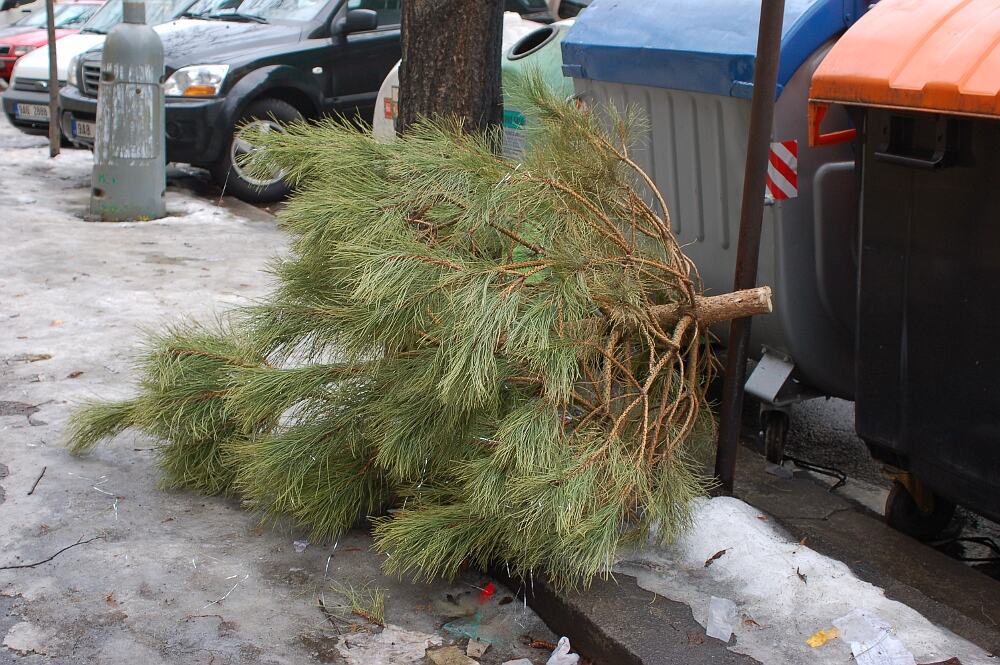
(110, 599)
(449, 655)
(821, 637)
(30, 357)
(695, 637)
(73, 375)
(55, 323)
(749, 621)
(762, 518)
(542, 644)
(804, 540)
(710, 560)
(801, 576)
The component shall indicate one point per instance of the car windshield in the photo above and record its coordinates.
(282, 10)
(157, 12)
(67, 16)
(204, 7)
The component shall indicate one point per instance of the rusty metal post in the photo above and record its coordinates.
(55, 136)
(765, 83)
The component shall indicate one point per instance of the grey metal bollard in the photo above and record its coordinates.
(129, 176)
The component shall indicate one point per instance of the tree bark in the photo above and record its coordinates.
(725, 307)
(709, 310)
(451, 62)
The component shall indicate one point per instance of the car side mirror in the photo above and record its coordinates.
(356, 20)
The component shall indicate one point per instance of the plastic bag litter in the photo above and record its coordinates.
(721, 617)
(872, 640)
(562, 656)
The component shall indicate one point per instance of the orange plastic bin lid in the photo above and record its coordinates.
(929, 55)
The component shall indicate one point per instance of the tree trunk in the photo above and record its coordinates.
(725, 307)
(451, 62)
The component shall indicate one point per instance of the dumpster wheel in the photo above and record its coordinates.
(903, 513)
(774, 426)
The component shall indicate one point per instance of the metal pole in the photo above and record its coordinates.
(54, 134)
(765, 82)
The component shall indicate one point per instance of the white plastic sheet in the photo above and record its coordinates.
(721, 617)
(872, 640)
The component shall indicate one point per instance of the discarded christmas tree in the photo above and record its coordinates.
(505, 360)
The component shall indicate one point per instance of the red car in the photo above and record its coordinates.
(70, 16)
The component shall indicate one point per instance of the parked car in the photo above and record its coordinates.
(68, 13)
(265, 63)
(26, 101)
(69, 17)
(12, 11)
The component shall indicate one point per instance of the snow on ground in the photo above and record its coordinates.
(784, 591)
(173, 577)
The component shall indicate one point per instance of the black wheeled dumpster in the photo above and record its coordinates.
(923, 82)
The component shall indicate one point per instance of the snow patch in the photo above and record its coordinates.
(392, 646)
(783, 591)
(26, 638)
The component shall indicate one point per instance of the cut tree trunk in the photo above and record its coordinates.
(451, 62)
(709, 310)
(725, 307)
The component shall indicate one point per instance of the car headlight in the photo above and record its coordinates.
(21, 50)
(196, 81)
(71, 79)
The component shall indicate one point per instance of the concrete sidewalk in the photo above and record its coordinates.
(163, 577)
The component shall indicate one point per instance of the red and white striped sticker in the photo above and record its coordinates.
(783, 171)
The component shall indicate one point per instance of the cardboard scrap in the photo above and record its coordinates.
(476, 649)
(450, 655)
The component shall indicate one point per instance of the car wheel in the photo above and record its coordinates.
(266, 115)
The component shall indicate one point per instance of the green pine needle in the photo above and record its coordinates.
(458, 337)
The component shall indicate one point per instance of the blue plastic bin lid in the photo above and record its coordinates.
(699, 45)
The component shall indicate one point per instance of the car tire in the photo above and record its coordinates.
(270, 113)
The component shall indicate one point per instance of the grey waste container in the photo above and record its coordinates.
(689, 65)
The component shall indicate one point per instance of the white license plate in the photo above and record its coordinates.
(32, 111)
(83, 129)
